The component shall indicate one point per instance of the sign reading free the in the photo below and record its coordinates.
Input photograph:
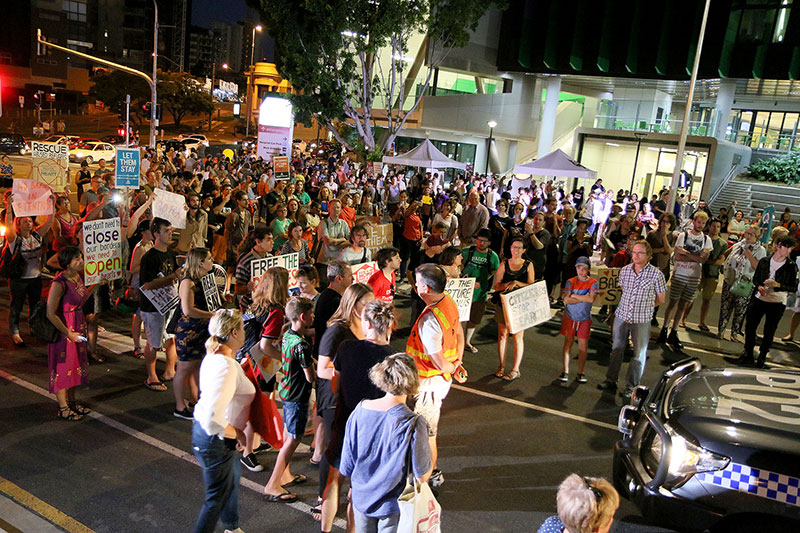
(290, 262)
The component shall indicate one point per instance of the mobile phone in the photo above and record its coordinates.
(117, 198)
(82, 338)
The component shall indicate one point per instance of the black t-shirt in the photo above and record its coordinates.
(328, 345)
(327, 304)
(353, 361)
(539, 257)
(659, 207)
(618, 239)
(154, 263)
(577, 198)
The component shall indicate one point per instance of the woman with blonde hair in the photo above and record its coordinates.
(192, 329)
(219, 420)
(585, 505)
(324, 197)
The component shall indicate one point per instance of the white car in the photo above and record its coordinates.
(92, 152)
(192, 143)
(200, 137)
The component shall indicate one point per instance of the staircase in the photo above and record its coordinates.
(734, 190)
(752, 197)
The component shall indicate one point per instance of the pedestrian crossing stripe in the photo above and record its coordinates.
(763, 483)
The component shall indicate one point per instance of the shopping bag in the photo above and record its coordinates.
(419, 510)
(264, 414)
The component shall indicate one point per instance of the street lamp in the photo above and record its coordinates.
(256, 28)
(492, 124)
(639, 136)
(213, 80)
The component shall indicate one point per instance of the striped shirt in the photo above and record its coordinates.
(639, 293)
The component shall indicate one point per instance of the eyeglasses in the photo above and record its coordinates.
(598, 495)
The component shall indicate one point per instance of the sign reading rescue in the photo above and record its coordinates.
(50, 163)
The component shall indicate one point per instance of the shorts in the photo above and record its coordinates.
(295, 417)
(155, 328)
(499, 314)
(576, 328)
(230, 258)
(428, 401)
(684, 289)
(476, 312)
(708, 286)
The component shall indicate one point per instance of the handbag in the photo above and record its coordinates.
(12, 264)
(419, 510)
(41, 327)
(742, 288)
(264, 415)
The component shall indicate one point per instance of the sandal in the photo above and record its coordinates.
(96, 358)
(299, 479)
(66, 413)
(703, 327)
(500, 371)
(511, 376)
(286, 497)
(80, 409)
(155, 386)
(138, 353)
(470, 348)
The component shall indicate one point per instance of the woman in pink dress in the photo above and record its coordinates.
(67, 357)
(64, 225)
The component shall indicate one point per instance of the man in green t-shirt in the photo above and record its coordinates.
(480, 263)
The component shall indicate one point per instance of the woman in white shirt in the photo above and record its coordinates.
(740, 266)
(219, 420)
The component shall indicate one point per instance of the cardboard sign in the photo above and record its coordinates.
(290, 262)
(50, 164)
(170, 206)
(281, 167)
(363, 271)
(31, 198)
(211, 292)
(608, 290)
(164, 299)
(380, 236)
(102, 250)
(127, 164)
(526, 307)
(460, 290)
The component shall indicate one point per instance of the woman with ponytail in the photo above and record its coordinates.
(219, 420)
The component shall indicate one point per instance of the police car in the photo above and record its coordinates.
(714, 449)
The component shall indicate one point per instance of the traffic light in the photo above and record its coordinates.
(121, 130)
(158, 112)
(146, 108)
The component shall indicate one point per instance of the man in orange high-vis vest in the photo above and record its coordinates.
(437, 345)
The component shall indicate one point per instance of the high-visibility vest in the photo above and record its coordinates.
(446, 312)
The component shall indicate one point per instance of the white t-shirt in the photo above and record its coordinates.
(695, 244)
(771, 296)
(225, 395)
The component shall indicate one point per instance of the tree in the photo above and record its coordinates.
(112, 87)
(331, 52)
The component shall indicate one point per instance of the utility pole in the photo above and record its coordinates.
(127, 120)
(153, 96)
(213, 75)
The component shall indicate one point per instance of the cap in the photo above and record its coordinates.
(583, 261)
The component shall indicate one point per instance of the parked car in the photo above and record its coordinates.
(200, 137)
(191, 143)
(172, 144)
(714, 449)
(82, 140)
(91, 152)
(113, 139)
(13, 143)
(62, 139)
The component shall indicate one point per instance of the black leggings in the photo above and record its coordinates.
(20, 289)
(407, 248)
(324, 466)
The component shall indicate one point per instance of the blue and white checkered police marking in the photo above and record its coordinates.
(764, 483)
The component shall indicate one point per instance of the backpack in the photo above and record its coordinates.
(471, 251)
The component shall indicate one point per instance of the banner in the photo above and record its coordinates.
(363, 271)
(275, 128)
(127, 163)
(163, 299)
(526, 307)
(50, 164)
(31, 198)
(211, 292)
(380, 236)
(288, 261)
(280, 164)
(170, 206)
(102, 250)
(460, 290)
(608, 289)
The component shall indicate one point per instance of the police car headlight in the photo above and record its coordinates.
(685, 458)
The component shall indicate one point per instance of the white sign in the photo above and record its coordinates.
(50, 162)
(275, 128)
(290, 262)
(31, 198)
(163, 299)
(526, 307)
(460, 290)
(211, 292)
(170, 206)
(102, 250)
(363, 271)
(229, 86)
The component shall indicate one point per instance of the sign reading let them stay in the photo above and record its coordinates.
(102, 250)
(460, 290)
(50, 163)
(380, 236)
(526, 307)
(288, 261)
(31, 198)
(126, 165)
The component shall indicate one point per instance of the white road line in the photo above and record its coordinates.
(163, 446)
(535, 407)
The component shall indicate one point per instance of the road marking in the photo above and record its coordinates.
(535, 407)
(161, 445)
(45, 510)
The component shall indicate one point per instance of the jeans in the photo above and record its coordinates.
(640, 334)
(755, 312)
(383, 524)
(221, 472)
(20, 289)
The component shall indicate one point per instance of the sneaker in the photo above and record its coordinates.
(654, 322)
(264, 447)
(563, 377)
(581, 378)
(662, 337)
(607, 385)
(437, 479)
(251, 462)
(745, 359)
(673, 340)
(186, 414)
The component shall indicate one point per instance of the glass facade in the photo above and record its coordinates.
(776, 130)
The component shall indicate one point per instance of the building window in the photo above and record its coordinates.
(75, 11)
(761, 21)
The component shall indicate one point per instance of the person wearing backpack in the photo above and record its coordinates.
(480, 262)
(22, 265)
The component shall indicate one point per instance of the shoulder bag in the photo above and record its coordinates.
(41, 327)
(419, 510)
(12, 264)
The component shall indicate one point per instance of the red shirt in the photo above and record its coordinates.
(273, 324)
(382, 288)
(413, 228)
(348, 215)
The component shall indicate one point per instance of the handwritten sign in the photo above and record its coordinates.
(164, 299)
(460, 290)
(102, 250)
(170, 206)
(526, 307)
(290, 262)
(380, 236)
(609, 291)
(127, 163)
(363, 271)
(211, 292)
(50, 162)
(31, 198)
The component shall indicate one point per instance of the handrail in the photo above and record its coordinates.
(728, 177)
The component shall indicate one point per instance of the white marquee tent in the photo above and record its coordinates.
(425, 155)
(556, 164)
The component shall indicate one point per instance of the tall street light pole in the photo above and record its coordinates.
(492, 124)
(639, 136)
(153, 95)
(256, 28)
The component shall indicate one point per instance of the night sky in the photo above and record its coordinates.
(204, 12)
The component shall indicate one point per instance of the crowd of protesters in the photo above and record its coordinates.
(330, 338)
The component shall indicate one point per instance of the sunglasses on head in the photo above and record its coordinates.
(597, 494)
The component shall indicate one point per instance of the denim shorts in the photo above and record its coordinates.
(295, 416)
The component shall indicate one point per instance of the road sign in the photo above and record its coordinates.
(22, 101)
(127, 167)
(281, 167)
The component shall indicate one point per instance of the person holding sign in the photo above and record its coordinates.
(192, 329)
(514, 273)
(579, 294)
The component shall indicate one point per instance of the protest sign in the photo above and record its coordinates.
(380, 236)
(363, 271)
(127, 164)
(288, 261)
(211, 292)
(163, 299)
(31, 198)
(280, 165)
(50, 164)
(170, 206)
(460, 290)
(608, 289)
(102, 250)
(526, 307)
